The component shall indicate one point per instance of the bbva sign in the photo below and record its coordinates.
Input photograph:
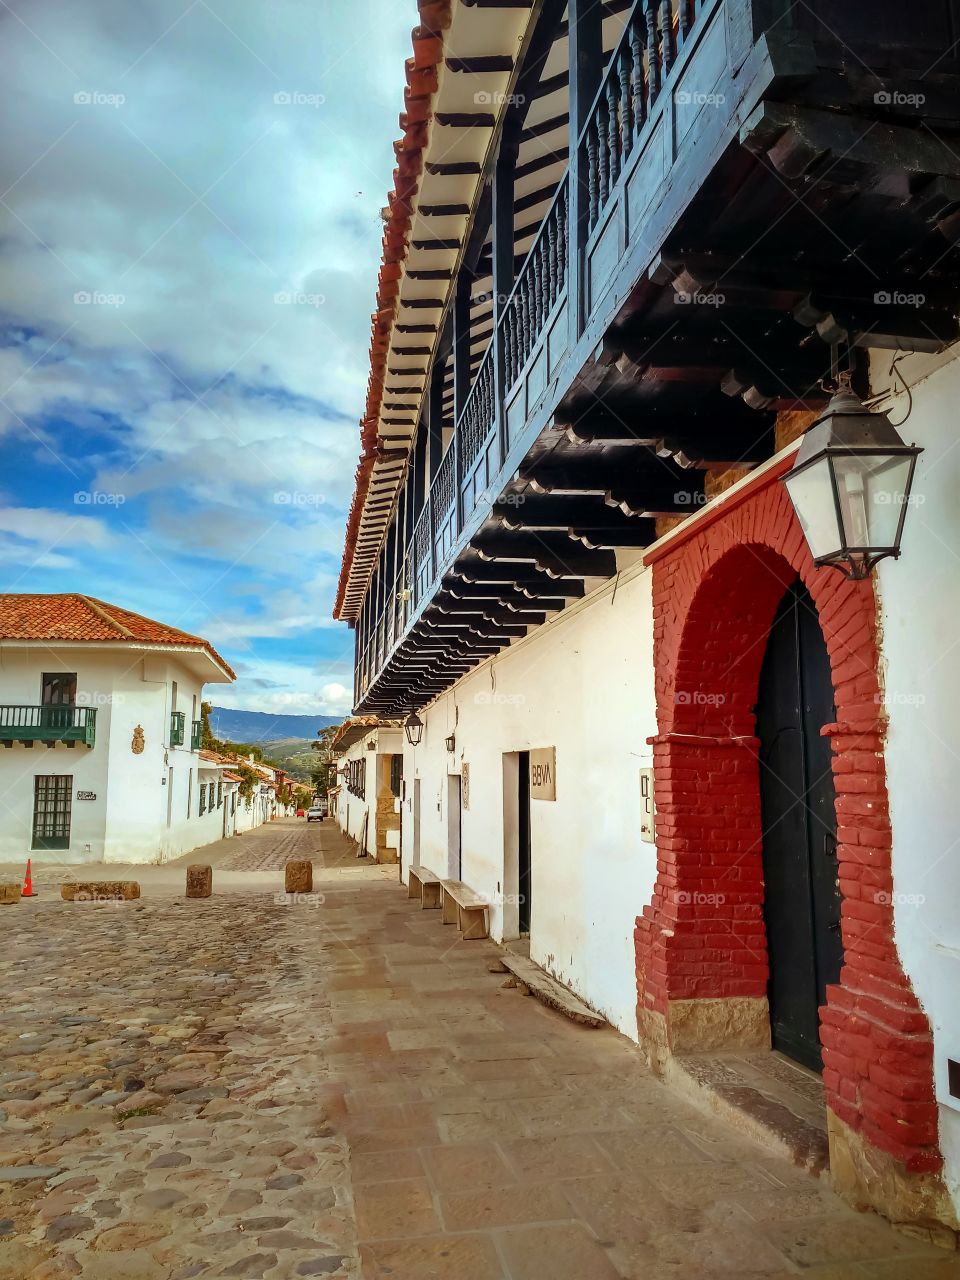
(543, 773)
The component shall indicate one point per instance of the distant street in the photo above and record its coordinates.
(339, 1086)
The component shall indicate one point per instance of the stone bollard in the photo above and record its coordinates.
(100, 891)
(298, 877)
(9, 894)
(199, 881)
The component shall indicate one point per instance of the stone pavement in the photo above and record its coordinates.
(251, 1087)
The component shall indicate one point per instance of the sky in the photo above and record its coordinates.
(190, 237)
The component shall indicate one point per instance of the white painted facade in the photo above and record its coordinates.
(355, 814)
(582, 684)
(920, 609)
(145, 805)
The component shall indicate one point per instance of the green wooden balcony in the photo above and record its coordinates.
(177, 728)
(28, 724)
(196, 735)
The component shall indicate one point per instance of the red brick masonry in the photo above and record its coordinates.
(715, 593)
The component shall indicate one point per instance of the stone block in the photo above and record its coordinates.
(9, 894)
(298, 877)
(100, 891)
(199, 881)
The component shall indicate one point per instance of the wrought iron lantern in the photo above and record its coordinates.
(372, 744)
(451, 743)
(850, 486)
(413, 728)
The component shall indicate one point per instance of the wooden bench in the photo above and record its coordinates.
(466, 909)
(423, 884)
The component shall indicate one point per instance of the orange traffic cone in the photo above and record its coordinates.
(28, 890)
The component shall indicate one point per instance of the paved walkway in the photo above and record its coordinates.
(252, 1087)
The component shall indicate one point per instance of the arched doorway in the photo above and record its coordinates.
(702, 942)
(802, 901)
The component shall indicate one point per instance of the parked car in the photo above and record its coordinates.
(301, 813)
(316, 813)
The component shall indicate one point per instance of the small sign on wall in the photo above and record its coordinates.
(464, 785)
(86, 795)
(543, 773)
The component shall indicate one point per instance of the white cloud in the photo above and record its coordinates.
(147, 243)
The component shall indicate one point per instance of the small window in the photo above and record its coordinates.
(220, 794)
(52, 795)
(58, 689)
(396, 772)
(203, 800)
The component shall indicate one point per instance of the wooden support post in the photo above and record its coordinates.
(503, 262)
(586, 65)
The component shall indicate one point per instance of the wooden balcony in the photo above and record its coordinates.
(29, 724)
(756, 187)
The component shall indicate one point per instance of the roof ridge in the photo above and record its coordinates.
(98, 608)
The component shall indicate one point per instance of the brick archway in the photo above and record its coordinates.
(701, 947)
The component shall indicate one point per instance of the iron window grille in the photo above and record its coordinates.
(52, 798)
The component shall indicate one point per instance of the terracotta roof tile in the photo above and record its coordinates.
(76, 617)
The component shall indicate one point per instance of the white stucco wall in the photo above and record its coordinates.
(582, 683)
(140, 811)
(351, 808)
(920, 609)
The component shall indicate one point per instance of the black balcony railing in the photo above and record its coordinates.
(48, 724)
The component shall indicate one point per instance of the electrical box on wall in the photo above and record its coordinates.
(647, 824)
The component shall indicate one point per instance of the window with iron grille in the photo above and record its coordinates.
(52, 794)
(396, 772)
(203, 799)
(220, 794)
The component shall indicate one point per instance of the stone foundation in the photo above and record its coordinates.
(199, 882)
(869, 1178)
(298, 877)
(704, 1026)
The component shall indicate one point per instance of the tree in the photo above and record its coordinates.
(323, 773)
(301, 798)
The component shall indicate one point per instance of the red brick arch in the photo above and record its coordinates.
(702, 938)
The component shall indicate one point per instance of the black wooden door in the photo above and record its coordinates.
(524, 842)
(801, 893)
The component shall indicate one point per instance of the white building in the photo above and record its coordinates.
(100, 731)
(689, 723)
(366, 802)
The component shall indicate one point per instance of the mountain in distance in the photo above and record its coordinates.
(261, 726)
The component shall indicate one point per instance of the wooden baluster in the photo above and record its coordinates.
(653, 52)
(562, 227)
(626, 104)
(593, 192)
(510, 346)
(666, 35)
(686, 18)
(613, 129)
(603, 153)
(552, 264)
(545, 270)
(639, 98)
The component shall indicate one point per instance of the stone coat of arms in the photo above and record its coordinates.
(136, 743)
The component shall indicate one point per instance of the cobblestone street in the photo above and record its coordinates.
(338, 1086)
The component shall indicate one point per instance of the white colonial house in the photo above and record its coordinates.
(654, 541)
(366, 800)
(100, 730)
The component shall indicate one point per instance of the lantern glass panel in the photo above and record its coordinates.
(811, 492)
(872, 489)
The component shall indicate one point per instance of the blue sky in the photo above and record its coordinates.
(190, 237)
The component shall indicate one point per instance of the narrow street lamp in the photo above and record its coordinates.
(450, 743)
(413, 728)
(850, 486)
